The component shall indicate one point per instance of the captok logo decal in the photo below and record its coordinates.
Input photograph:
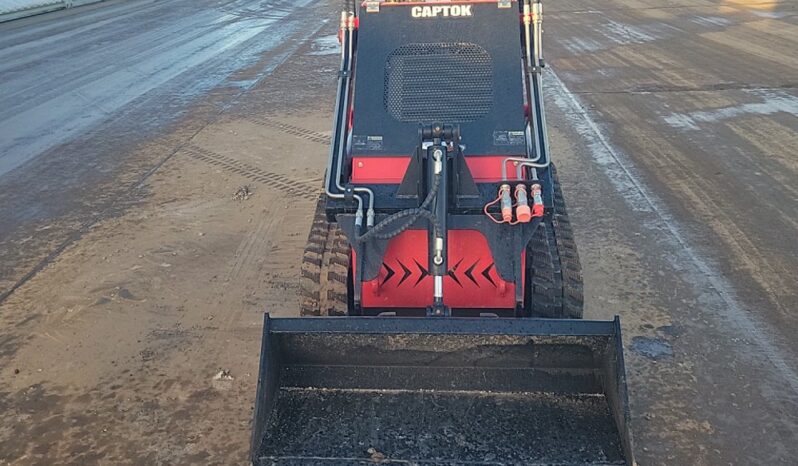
(457, 11)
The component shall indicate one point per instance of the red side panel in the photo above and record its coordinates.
(391, 170)
(472, 281)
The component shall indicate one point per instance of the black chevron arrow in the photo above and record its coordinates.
(406, 273)
(486, 274)
(470, 273)
(424, 273)
(452, 271)
(391, 273)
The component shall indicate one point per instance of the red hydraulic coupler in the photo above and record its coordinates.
(537, 201)
(522, 211)
(506, 203)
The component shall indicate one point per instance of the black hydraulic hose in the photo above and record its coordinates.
(413, 214)
(417, 213)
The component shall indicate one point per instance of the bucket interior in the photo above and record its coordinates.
(438, 399)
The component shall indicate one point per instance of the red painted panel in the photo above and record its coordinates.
(391, 170)
(472, 282)
(387, 170)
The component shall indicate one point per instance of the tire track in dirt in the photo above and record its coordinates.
(253, 246)
(251, 258)
(264, 269)
(269, 179)
(297, 131)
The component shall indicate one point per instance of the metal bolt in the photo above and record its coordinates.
(360, 165)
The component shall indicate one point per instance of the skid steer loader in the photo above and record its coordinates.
(441, 264)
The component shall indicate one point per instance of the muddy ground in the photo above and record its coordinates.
(131, 274)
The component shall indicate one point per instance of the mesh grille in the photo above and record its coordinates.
(438, 82)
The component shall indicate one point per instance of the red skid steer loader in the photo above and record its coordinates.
(441, 264)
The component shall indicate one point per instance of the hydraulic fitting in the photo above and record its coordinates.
(359, 218)
(527, 14)
(537, 201)
(522, 211)
(342, 28)
(438, 258)
(437, 156)
(506, 203)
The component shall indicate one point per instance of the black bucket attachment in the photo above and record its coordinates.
(441, 391)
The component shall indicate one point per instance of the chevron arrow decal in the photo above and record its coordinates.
(486, 274)
(470, 273)
(424, 273)
(451, 273)
(405, 273)
(390, 274)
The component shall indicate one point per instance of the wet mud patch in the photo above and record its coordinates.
(326, 45)
(34, 412)
(652, 347)
(112, 424)
(9, 344)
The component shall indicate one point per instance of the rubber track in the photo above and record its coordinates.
(324, 271)
(573, 291)
(555, 273)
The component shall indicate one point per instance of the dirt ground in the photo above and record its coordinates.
(140, 276)
(109, 353)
